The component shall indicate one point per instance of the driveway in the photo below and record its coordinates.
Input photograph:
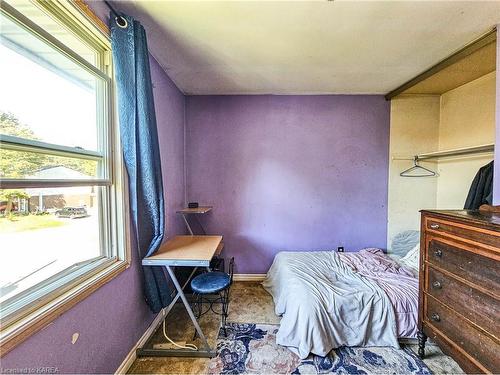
(29, 257)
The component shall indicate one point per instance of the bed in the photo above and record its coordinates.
(329, 299)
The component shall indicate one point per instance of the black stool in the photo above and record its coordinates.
(213, 283)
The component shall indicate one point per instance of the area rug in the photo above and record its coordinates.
(252, 349)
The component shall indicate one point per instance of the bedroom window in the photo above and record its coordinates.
(61, 199)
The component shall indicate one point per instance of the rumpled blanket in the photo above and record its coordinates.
(325, 304)
(399, 283)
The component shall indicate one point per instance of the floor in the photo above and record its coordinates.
(250, 303)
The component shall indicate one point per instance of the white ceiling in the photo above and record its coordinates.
(305, 47)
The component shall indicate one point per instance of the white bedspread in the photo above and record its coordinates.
(325, 305)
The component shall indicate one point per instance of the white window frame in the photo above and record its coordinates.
(37, 306)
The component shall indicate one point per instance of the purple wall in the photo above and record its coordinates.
(111, 320)
(289, 172)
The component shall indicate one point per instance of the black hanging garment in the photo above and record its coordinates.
(481, 190)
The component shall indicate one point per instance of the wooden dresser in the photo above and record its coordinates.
(459, 300)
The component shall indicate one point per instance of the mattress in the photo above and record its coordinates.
(325, 304)
(328, 300)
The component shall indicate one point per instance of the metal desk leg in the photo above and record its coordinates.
(208, 352)
(186, 221)
(199, 224)
(188, 308)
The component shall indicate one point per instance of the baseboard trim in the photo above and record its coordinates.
(131, 356)
(249, 277)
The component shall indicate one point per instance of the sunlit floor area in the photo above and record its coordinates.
(250, 303)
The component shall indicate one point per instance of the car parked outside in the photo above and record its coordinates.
(72, 212)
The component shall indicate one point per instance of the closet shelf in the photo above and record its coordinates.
(449, 153)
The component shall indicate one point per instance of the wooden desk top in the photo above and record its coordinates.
(197, 210)
(185, 251)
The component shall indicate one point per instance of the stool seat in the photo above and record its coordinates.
(210, 282)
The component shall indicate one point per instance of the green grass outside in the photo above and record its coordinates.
(29, 222)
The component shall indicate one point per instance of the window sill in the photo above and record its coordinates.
(34, 322)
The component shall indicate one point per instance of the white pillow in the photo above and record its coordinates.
(411, 260)
(403, 242)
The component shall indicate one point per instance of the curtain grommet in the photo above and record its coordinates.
(121, 22)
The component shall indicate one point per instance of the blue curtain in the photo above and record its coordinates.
(141, 152)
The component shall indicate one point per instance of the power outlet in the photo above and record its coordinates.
(340, 249)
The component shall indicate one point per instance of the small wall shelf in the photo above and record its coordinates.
(197, 210)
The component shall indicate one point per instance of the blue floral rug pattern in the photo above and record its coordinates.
(252, 349)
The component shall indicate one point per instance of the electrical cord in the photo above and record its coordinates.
(187, 346)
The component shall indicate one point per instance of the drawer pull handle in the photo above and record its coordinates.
(438, 253)
(436, 285)
(435, 317)
(434, 226)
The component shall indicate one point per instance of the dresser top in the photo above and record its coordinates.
(475, 216)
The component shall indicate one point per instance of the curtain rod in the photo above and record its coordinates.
(120, 20)
(457, 152)
(454, 152)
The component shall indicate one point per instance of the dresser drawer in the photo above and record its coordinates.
(476, 268)
(477, 345)
(480, 308)
(461, 231)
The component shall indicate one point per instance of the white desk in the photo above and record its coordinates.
(183, 251)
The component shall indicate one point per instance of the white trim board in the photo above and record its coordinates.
(249, 276)
(131, 356)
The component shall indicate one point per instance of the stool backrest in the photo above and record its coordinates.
(231, 269)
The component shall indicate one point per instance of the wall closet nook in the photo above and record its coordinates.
(442, 132)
